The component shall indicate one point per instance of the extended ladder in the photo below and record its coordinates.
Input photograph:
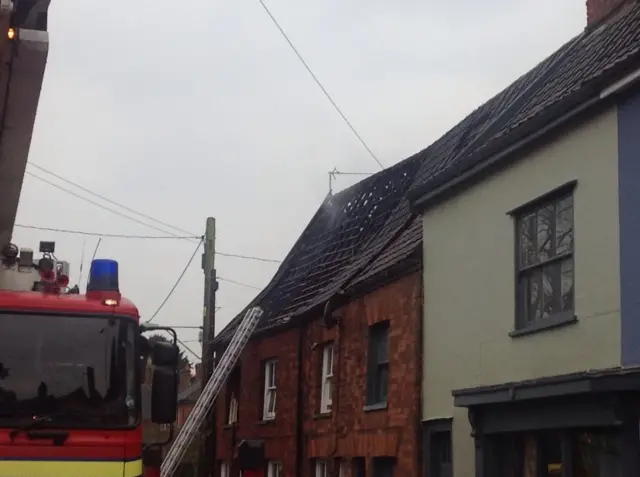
(209, 393)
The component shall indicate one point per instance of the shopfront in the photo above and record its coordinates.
(580, 425)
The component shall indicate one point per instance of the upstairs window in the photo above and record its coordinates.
(269, 403)
(327, 378)
(233, 393)
(233, 409)
(378, 365)
(544, 262)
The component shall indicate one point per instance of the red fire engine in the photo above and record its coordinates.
(71, 371)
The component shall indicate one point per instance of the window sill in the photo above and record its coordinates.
(322, 415)
(266, 422)
(556, 321)
(381, 406)
(228, 426)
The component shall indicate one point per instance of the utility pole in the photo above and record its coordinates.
(207, 451)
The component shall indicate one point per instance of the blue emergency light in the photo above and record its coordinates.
(103, 275)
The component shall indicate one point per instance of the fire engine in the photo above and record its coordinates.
(71, 372)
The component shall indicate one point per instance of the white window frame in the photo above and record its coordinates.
(225, 469)
(233, 410)
(322, 468)
(326, 398)
(274, 468)
(270, 369)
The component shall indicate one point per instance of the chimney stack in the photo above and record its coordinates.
(598, 10)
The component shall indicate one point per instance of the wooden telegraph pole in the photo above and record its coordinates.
(207, 450)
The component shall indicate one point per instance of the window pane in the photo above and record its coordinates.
(272, 373)
(552, 290)
(533, 295)
(597, 455)
(271, 402)
(564, 225)
(545, 221)
(327, 358)
(382, 346)
(567, 284)
(383, 383)
(328, 391)
(526, 240)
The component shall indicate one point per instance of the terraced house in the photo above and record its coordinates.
(329, 385)
(531, 225)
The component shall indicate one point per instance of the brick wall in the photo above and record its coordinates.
(348, 431)
(279, 434)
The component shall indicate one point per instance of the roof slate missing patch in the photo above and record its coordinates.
(347, 228)
(369, 227)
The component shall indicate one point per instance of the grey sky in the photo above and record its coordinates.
(187, 109)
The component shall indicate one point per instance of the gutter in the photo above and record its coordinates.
(423, 201)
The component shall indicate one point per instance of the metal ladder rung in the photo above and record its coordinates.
(209, 393)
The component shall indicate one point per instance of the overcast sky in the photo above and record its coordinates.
(183, 110)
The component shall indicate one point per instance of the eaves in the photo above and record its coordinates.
(399, 270)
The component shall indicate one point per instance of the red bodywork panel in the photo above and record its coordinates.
(41, 302)
(81, 445)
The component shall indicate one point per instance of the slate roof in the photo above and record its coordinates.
(348, 230)
(574, 74)
(370, 226)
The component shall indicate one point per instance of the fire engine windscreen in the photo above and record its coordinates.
(78, 370)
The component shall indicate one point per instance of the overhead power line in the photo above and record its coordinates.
(234, 282)
(106, 199)
(248, 257)
(188, 349)
(97, 204)
(105, 235)
(315, 78)
(176, 283)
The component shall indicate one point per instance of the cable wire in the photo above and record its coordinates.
(106, 199)
(248, 257)
(176, 283)
(97, 204)
(95, 234)
(315, 78)
(188, 349)
(234, 282)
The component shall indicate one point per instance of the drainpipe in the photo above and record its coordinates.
(300, 406)
(330, 321)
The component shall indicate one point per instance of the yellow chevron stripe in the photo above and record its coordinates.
(56, 468)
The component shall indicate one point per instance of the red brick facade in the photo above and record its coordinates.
(348, 431)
